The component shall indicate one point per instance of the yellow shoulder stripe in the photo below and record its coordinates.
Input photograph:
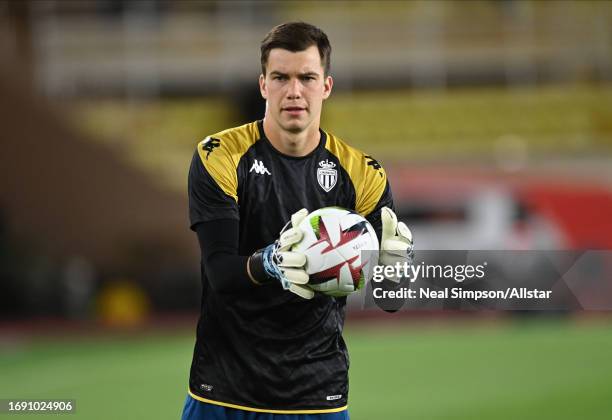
(221, 152)
(368, 177)
(262, 410)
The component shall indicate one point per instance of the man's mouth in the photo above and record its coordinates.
(293, 109)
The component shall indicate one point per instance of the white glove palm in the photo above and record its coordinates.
(396, 244)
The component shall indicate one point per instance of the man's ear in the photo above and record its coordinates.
(327, 87)
(262, 86)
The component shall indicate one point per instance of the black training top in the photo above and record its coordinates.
(267, 349)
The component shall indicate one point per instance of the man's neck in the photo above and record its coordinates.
(292, 144)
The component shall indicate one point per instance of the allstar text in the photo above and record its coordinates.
(460, 293)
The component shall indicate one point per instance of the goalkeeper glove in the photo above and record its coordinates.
(396, 245)
(277, 262)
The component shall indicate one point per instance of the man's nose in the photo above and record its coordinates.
(294, 90)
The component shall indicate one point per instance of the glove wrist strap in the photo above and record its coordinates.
(259, 266)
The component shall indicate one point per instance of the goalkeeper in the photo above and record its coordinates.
(267, 345)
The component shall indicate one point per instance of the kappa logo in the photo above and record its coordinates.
(327, 176)
(374, 164)
(206, 387)
(259, 168)
(209, 145)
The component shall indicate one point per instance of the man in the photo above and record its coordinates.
(267, 344)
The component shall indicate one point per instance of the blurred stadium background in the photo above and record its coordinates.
(493, 119)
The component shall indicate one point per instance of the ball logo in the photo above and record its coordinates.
(359, 245)
(327, 175)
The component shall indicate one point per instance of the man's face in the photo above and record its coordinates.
(294, 88)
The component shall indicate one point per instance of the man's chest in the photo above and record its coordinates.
(269, 181)
(272, 188)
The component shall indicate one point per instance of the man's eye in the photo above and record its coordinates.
(279, 78)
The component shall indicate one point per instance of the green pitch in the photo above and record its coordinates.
(511, 371)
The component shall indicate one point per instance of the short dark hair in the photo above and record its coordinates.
(296, 36)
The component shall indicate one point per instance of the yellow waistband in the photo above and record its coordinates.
(263, 410)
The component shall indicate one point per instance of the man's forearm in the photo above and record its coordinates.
(227, 272)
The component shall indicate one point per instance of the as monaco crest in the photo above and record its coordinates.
(327, 175)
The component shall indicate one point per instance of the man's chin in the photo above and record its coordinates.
(294, 126)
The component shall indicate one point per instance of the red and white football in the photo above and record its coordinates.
(340, 247)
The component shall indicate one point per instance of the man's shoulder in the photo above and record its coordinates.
(352, 157)
(367, 175)
(335, 144)
(232, 141)
(220, 153)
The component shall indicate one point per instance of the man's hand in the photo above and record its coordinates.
(279, 263)
(396, 244)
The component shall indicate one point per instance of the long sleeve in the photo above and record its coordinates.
(225, 269)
